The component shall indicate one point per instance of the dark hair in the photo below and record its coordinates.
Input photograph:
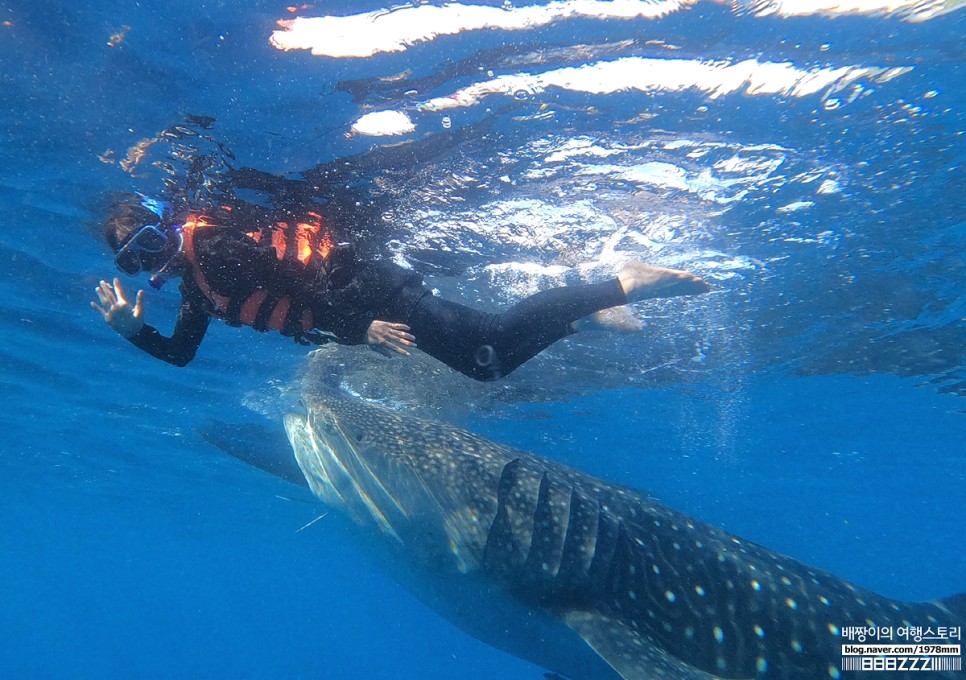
(125, 217)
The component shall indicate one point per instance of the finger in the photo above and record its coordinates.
(119, 291)
(404, 336)
(399, 326)
(404, 341)
(100, 309)
(101, 296)
(397, 349)
(138, 301)
(107, 292)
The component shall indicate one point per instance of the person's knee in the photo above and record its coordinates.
(486, 364)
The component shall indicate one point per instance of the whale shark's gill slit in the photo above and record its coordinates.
(618, 573)
(502, 550)
(608, 531)
(549, 525)
(580, 540)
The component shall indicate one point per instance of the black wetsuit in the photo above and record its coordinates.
(480, 345)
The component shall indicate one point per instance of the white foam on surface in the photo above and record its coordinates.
(795, 206)
(725, 183)
(909, 10)
(829, 186)
(383, 124)
(640, 74)
(371, 33)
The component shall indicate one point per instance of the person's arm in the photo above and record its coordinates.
(127, 320)
(358, 328)
(349, 328)
(181, 347)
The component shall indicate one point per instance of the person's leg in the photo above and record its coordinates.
(640, 282)
(643, 281)
(451, 333)
(489, 346)
(535, 323)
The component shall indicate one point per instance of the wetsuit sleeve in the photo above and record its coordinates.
(379, 289)
(351, 330)
(181, 347)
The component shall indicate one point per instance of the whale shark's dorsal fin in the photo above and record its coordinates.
(629, 652)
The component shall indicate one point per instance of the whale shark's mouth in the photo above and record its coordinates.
(404, 476)
(337, 471)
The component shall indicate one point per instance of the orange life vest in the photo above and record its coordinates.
(264, 309)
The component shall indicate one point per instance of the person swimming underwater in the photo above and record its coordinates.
(289, 277)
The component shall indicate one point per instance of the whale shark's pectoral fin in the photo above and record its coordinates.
(258, 444)
(634, 655)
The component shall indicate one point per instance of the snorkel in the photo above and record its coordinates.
(161, 276)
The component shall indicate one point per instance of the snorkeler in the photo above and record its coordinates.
(288, 276)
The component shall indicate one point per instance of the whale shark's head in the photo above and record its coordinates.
(426, 484)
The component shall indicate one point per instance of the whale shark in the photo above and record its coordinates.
(583, 577)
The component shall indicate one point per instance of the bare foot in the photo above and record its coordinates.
(642, 281)
(619, 319)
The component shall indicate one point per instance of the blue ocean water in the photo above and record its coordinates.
(813, 403)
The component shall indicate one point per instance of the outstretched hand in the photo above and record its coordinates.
(117, 311)
(393, 336)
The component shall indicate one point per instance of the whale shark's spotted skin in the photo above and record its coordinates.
(655, 593)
